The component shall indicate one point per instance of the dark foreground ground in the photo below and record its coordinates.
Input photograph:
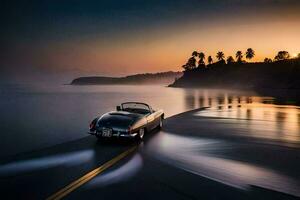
(193, 157)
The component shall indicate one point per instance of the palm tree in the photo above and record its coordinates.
(239, 56)
(191, 63)
(195, 54)
(230, 60)
(201, 56)
(209, 60)
(250, 53)
(267, 60)
(220, 56)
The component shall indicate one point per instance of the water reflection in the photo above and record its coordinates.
(190, 101)
(200, 157)
(195, 98)
(280, 122)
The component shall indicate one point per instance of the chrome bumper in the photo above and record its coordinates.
(91, 133)
(114, 135)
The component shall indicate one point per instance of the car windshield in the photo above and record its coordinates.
(136, 108)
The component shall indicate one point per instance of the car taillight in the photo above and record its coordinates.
(92, 125)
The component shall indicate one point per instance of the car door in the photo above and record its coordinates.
(157, 116)
(154, 118)
(150, 121)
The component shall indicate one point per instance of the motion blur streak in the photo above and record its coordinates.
(123, 173)
(34, 164)
(197, 156)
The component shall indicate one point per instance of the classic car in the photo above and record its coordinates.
(130, 120)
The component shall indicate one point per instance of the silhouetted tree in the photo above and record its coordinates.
(250, 53)
(230, 60)
(201, 56)
(209, 60)
(239, 56)
(298, 56)
(267, 60)
(282, 55)
(191, 64)
(220, 56)
(184, 67)
(195, 54)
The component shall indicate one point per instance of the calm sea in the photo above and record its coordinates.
(34, 117)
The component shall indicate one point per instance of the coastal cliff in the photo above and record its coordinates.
(283, 74)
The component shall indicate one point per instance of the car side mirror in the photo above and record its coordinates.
(118, 108)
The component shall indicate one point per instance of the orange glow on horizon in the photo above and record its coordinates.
(169, 48)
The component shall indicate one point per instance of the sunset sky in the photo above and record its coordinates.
(65, 39)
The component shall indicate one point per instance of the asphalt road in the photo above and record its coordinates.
(193, 157)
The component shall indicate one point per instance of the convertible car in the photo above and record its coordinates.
(130, 120)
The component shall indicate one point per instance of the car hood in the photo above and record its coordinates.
(118, 119)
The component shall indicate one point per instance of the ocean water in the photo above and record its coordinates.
(34, 117)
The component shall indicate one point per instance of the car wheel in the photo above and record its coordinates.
(141, 133)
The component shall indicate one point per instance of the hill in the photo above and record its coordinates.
(280, 79)
(163, 78)
(283, 74)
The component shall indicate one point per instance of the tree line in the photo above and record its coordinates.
(220, 56)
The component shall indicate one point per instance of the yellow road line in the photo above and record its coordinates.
(77, 183)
